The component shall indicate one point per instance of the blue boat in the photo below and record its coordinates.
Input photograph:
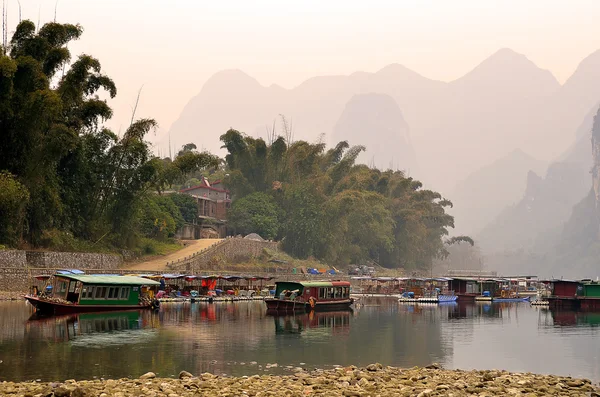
(447, 298)
(519, 299)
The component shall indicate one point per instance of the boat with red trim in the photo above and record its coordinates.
(303, 296)
(80, 293)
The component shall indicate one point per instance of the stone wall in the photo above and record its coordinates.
(17, 267)
(227, 250)
(73, 260)
(19, 280)
(13, 258)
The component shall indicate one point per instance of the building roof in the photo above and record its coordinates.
(109, 280)
(309, 284)
(204, 187)
(205, 184)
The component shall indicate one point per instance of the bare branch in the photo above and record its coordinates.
(137, 101)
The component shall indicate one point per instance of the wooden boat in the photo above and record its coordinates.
(513, 299)
(309, 295)
(80, 293)
(432, 297)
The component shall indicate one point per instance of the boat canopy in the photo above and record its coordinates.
(70, 271)
(109, 280)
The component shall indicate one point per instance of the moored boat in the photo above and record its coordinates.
(512, 299)
(433, 297)
(310, 295)
(80, 293)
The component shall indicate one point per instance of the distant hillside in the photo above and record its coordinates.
(554, 230)
(376, 121)
(536, 220)
(504, 103)
(481, 197)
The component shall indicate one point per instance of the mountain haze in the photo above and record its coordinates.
(481, 197)
(504, 103)
(378, 113)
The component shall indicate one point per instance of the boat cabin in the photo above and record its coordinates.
(464, 285)
(589, 289)
(564, 288)
(319, 290)
(86, 289)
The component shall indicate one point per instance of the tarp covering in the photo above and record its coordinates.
(110, 280)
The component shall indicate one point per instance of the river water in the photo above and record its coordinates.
(241, 339)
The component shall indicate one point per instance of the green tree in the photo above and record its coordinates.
(13, 202)
(188, 208)
(255, 213)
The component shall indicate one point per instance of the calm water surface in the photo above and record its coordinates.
(240, 339)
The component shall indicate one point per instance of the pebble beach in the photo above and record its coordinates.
(373, 380)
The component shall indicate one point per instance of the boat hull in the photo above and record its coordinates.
(436, 299)
(466, 297)
(44, 307)
(281, 305)
(447, 298)
(525, 299)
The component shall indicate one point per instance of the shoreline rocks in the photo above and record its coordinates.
(373, 380)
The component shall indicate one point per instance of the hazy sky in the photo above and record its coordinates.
(172, 47)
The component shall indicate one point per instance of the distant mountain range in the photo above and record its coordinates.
(366, 115)
(484, 140)
(505, 103)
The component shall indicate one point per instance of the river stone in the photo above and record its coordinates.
(374, 367)
(185, 375)
(62, 392)
(148, 375)
(81, 392)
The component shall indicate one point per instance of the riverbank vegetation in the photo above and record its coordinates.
(65, 179)
(320, 203)
(68, 182)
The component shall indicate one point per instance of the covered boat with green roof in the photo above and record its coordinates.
(310, 295)
(78, 293)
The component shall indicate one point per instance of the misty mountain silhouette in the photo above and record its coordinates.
(506, 102)
(480, 197)
(377, 115)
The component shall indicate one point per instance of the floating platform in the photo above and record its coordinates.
(540, 302)
(483, 299)
(213, 299)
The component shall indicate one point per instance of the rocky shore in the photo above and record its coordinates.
(374, 380)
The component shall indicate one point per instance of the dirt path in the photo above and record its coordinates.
(160, 262)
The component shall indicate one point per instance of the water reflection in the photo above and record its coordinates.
(314, 323)
(95, 330)
(566, 318)
(241, 339)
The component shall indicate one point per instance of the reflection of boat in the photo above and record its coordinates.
(80, 293)
(574, 318)
(336, 321)
(95, 329)
(310, 295)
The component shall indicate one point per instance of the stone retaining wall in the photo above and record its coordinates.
(13, 258)
(19, 280)
(17, 267)
(73, 260)
(62, 260)
(227, 250)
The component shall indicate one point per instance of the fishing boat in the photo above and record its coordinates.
(80, 293)
(305, 296)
